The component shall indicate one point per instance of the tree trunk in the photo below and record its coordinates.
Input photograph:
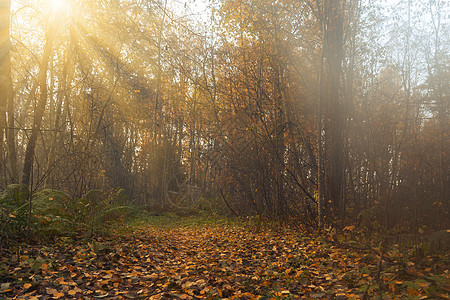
(333, 55)
(5, 75)
(319, 194)
(39, 111)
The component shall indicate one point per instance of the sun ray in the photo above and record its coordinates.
(58, 6)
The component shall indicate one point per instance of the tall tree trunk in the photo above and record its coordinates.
(333, 55)
(39, 111)
(11, 140)
(5, 76)
(319, 194)
(158, 125)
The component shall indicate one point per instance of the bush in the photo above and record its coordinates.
(13, 211)
(101, 209)
(55, 213)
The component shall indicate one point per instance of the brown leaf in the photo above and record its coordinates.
(51, 291)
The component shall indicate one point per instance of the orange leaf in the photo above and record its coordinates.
(349, 228)
(423, 284)
(413, 292)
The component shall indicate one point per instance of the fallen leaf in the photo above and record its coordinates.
(51, 291)
(349, 228)
(5, 286)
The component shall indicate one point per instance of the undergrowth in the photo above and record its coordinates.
(47, 214)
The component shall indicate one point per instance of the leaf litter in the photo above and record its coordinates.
(214, 262)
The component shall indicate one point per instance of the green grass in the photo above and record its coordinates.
(169, 220)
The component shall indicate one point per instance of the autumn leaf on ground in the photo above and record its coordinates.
(203, 262)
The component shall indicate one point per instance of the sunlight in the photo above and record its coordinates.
(58, 6)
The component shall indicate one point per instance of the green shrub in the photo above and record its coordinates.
(204, 204)
(52, 202)
(55, 213)
(52, 212)
(100, 209)
(439, 241)
(15, 194)
(13, 211)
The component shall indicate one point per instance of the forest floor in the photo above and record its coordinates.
(204, 260)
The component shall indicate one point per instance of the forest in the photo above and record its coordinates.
(133, 129)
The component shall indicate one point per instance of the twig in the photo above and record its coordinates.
(228, 205)
(377, 276)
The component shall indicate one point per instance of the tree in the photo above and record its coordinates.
(5, 79)
(335, 115)
(40, 108)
